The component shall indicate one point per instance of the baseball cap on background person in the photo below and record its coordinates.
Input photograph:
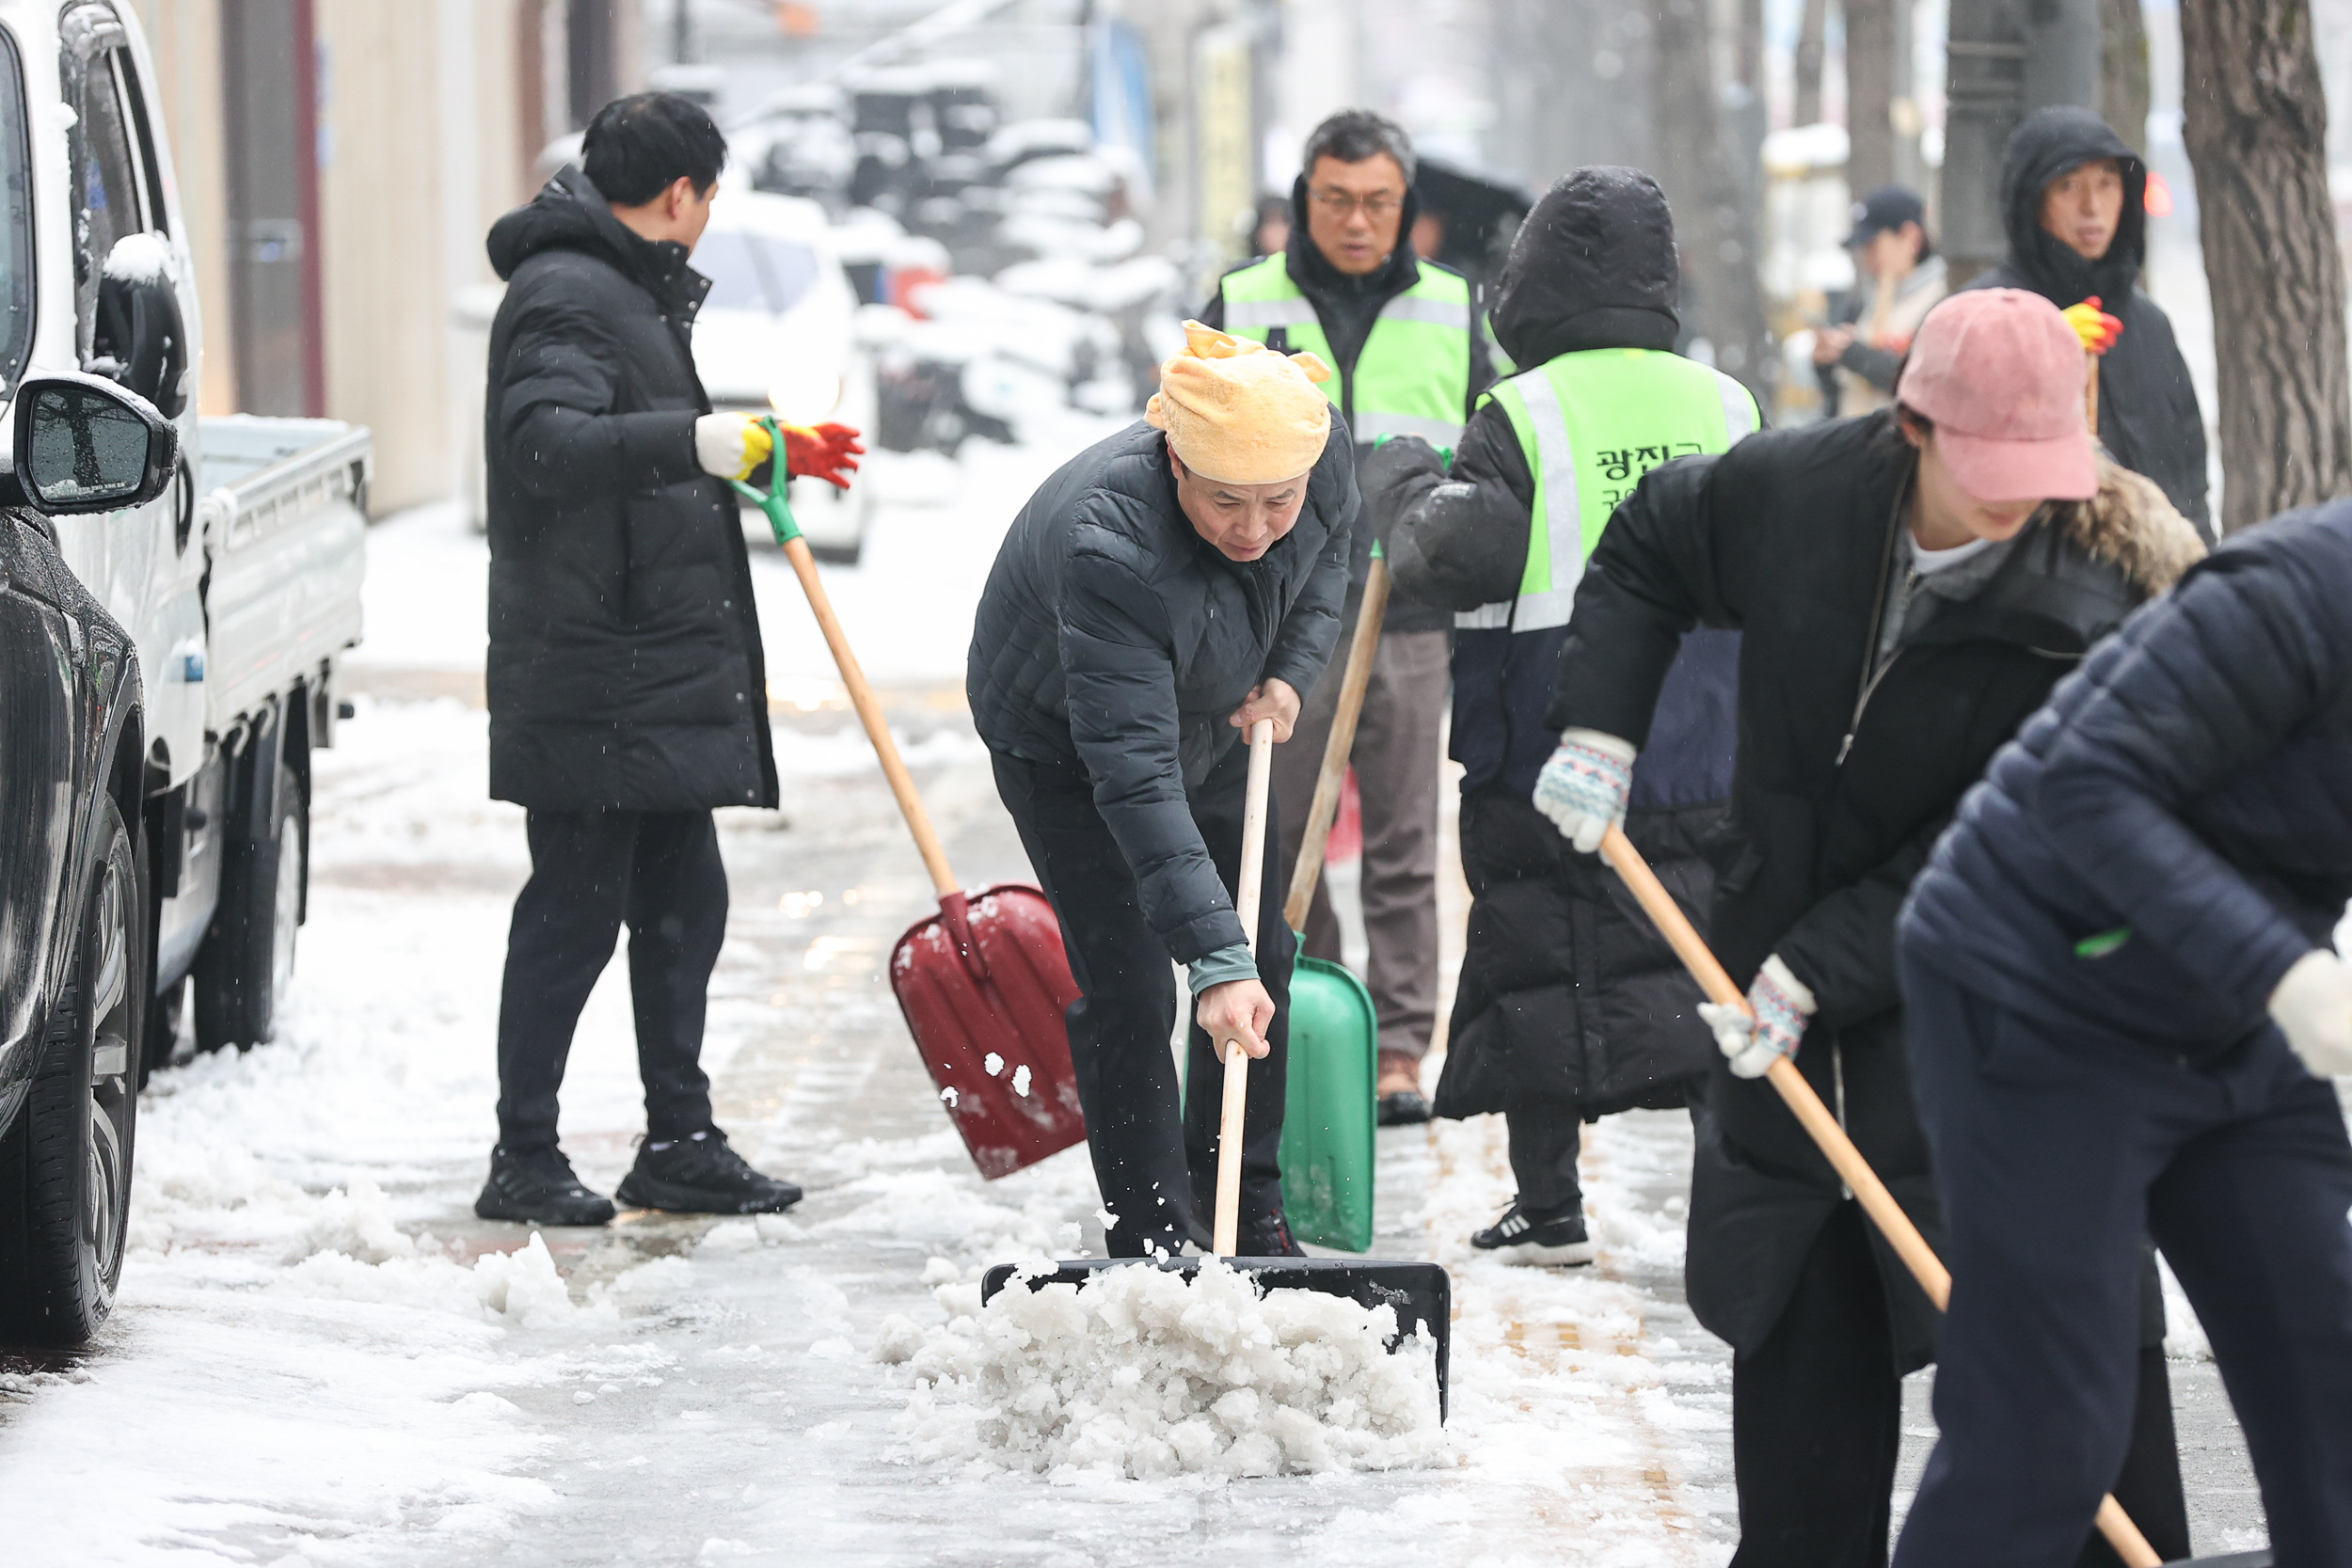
(1885, 209)
(2002, 374)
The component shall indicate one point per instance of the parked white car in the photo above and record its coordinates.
(777, 334)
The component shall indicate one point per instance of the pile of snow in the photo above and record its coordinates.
(1144, 1373)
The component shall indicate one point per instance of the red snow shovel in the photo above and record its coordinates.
(1815, 1118)
(1420, 1295)
(985, 982)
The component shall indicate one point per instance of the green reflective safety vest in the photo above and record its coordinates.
(1591, 424)
(1411, 377)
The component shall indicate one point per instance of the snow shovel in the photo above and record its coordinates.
(1815, 1118)
(985, 983)
(1421, 1295)
(1328, 1115)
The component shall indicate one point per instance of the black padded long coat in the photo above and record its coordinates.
(624, 663)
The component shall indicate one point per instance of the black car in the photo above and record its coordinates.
(75, 969)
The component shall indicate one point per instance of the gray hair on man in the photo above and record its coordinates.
(1353, 135)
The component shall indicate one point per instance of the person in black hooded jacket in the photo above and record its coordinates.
(1570, 1005)
(626, 682)
(2075, 200)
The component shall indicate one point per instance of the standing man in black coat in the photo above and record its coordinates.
(627, 692)
(1909, 586)
(2075, 200)
(2125, 1011)
(1164, 591)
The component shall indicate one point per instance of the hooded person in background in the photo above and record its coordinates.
(2075, 200)
(1570, 1005)
(626, 686)
(1403, 341)
(1164, 591)
(1909, 586)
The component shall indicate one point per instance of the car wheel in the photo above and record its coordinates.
(65, 1167)
(245, 966)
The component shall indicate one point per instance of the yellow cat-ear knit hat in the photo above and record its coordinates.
(1240, 413)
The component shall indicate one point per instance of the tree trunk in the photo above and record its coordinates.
(2257, 130)
(2123, 71)
(1723, 299)
(1811, 30)
(1869, 94)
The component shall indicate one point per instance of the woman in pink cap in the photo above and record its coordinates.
(1910, 584)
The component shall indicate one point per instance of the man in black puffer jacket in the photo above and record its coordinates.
(2075, 200)
(1904, 603)
(628, 694)
(2122, 987)
(1570, 1005)
(1140, 614)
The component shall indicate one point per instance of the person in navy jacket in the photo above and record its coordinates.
(2124, 1010)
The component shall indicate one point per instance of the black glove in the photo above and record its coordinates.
(1393, 475)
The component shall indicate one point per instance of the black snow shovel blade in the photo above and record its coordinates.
(1421, 1294)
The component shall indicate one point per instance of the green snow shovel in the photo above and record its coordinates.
(1329, 1108)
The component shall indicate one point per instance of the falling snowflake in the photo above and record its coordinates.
(1021, 1079)
(994, 1064)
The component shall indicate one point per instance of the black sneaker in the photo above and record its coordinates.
(537, 1187)
(1399, 1098)
(702, 1175)
(1532, 1236)
(1404, 1108)
(1269, 1238)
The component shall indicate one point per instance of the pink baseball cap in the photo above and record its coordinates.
(2002, 375)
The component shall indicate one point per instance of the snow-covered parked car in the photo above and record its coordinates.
(777, 334)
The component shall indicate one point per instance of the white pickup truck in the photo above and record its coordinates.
(234, 582)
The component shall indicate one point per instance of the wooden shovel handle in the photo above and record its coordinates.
(1851, 1168)
(1247, 895)
(1341, 746)
(869, 713)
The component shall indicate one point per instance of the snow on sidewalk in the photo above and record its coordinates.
(322, 1357)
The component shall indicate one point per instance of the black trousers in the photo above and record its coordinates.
(2053, 1157)
(1544, 1144)
(1817, 1425)
(1155, 1162)
(659, 872)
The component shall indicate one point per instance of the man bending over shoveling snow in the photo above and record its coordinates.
(1161, 592)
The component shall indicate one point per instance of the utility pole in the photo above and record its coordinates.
(2007, 59)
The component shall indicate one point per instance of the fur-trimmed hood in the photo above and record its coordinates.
(2131, 526)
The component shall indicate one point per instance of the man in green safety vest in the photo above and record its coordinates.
(1403, 338)
(1570, 1006)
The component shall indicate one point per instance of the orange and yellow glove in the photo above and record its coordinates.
(826, 452)
(2097, 329)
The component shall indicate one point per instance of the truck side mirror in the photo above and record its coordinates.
(84, 444)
